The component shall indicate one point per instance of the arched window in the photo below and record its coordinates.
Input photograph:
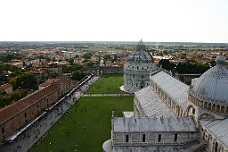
(144, 138)
(175, 137)
(25, 115)
(127, 138)
(193, 110)
(159, 137)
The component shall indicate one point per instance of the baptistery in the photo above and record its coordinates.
(137, 68)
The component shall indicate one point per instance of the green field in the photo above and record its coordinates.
(107, 84)
(87, 125)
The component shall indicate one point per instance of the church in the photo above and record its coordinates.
(170, 116)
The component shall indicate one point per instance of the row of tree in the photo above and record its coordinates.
(190, 67)
(24, 81)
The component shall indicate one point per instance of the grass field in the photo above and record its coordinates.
(107, 84)
(87, 129)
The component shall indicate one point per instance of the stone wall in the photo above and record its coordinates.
(102, 70)
(152, 138)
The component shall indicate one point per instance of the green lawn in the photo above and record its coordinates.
(92, 127)
(107, 84)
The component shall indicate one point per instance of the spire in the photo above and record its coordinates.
(221, 60)
(140, 46)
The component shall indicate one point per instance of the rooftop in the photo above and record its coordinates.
(219, 128)
(174, 88)
(4, 86)
(145, 124)
(152, 104)
(13, 109)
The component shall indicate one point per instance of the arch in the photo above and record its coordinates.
(142, 84)
(210, 139)
(220, 148)
(190, 111)
(213, 107)
(197, 102)
(173, 106)
(216, 146)
(200, 103)
(209, 106)
(178, 110)
(223, 109)
(203, 135)
(205, 105)
(218, 108)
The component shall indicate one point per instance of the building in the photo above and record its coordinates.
(171, 116)
(7, 88)
(63, 80)
(22, 112)
(137, 68)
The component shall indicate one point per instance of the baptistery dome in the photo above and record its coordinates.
(211, 89)
(137, 68)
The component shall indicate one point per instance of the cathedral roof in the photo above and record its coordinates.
(152, 104)
(146, 124)
(213, 84)
(174, 89)
(219, 128)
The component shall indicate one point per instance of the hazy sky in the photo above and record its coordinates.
(114, 20)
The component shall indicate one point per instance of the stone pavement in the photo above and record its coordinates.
(103, 95)
(38, 131)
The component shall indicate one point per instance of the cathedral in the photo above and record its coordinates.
(170, 116)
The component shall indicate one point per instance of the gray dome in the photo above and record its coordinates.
(213, 84)
(140, 54)
(221, 59)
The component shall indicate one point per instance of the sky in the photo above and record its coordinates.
(114, 20)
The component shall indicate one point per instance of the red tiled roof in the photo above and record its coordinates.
(48, 82)
(61, 79)
(9, 111)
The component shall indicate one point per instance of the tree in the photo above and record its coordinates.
(166, 64)
(73, 68)
(26, 81)
(6, 99)
(106, 57)
(9, 57)
(12, 81)
(71, 61)
(87, 55)
(54, 75)
(164, 52)
(90, 64)
(78, 76)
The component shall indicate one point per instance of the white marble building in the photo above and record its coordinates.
(171, 116)
(137, 68)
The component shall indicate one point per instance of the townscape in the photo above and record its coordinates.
(50, 79)
(114, 76)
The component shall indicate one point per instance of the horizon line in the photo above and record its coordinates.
(109, 41)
